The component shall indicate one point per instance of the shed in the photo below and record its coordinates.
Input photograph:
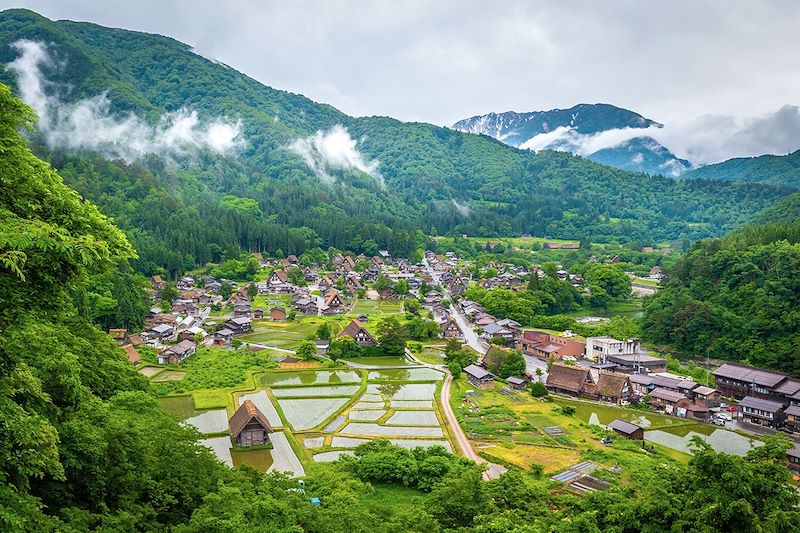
(479, 376)
(626, 429)
(517, 383)
(249, 426)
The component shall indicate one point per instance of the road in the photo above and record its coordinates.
(470, 337)
(492, 470)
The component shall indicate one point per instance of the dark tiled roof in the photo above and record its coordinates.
(749, 374)
(667, 395)
(624, 427)
(763, 405)
(476, 371)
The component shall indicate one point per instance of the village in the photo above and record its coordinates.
(326, 383)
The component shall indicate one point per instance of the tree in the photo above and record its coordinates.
(344, 348)
(392, 337)
(296, 276)
(169, 293)
(539, 374)
(383, 284)
(324, 331)
(401, 287)
(225, 290)
(513, 365)
(538, 390)
(252, 290)
(307, 350)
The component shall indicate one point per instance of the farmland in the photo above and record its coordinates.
(323, 413)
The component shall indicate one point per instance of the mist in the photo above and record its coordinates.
(333, 149)
(89, 124)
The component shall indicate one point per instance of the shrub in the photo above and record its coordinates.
(538, 390)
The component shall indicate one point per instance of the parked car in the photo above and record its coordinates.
(724, 416)
(718, 421)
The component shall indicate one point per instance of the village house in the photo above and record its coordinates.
(158, 332)
(239, 325)
(567, 379)
(512, 325)
(223, 337)
(120, 335)
(278, 277)
(793, 459)
(642, 384)
(626, 429)
(706, 396)
(306, 306)
(440, 312)
(356, 331)
(451, 329)
(322, 346)
(599, 348)
(190, 333)
(249, 426)
(793, 418)
(479, 376)
(517, 383)
(544, 345)
(636, 363)
(494, 330)
(762, 412)
(175, 354)
(668, 401)
(656, 273)
(613, 387)
(334, 304)
(158, 283)
(735, 380)
(291, 259)
(278, 314)
(258, 313)
(241, 310)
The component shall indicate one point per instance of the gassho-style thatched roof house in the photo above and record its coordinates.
(249, 426)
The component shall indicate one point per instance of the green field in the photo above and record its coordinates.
(377, 307)
(289, 335)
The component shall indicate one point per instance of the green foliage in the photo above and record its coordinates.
(307, 350)
(324, 331)
(732, 298)
(392, 337)
(213, 368)
(344, 348)
(538, 390)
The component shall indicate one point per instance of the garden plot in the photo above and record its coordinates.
(314, 442)
(221, 446)
(405, 374)
(308, 413)
(304, 392)
(150, 371)
(215, 421)
(169, 375)
(283, 457)
(327, 457)
(363, 428)
(330, 377)
(411, 404)
(262, 401)
(413, 418)
(368, 416)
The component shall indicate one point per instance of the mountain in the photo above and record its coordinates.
(769, 169)
(569, 129)
(642, 154)
(198, 162)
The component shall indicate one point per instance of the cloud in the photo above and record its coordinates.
(333, 150)
(463, 209)
(89, 123)
(637, 159)
(701, 140)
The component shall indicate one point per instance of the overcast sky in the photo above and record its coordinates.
(446, 60)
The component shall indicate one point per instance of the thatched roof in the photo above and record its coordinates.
(611, 385)
(247, 412)
(566, 377)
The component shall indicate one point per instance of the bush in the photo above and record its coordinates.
(568, 410)
(538, 390)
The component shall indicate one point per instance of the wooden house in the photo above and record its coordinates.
(762, 412)
(278, 314)
(451, 329)
(626, 429)
(133, 354)
(517, 383)
(334, 303)
(355, 330)
(613, 387)
(249, 426)
(177, 353)
(239, 325)
(567, 379)
(258, 313)
(479, 376)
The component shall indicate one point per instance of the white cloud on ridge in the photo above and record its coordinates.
(702, 140)
(463, 209)
(89, 123)
(333, 149)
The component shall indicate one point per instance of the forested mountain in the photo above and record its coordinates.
(734, 298)
(301, 174)
(540, 129)
(781, 170)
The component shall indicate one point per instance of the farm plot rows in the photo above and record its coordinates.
(308, 392)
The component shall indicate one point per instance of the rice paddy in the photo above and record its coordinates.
(285, 379)
(314, 392)
(326, 457)
(308, 413)
(411, 404)
(405, 374)
(367, 416)
(214, 421)
(262, 401)
(221, 446)
(362, 428)
(283, 457)
(413, 418)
